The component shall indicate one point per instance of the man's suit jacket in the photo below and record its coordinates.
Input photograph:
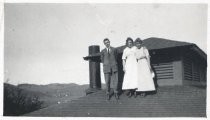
(109, 60)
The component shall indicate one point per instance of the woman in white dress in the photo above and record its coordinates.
(145, 73)
(129, 67)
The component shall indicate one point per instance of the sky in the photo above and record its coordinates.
(46, 43)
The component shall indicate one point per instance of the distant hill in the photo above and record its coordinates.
(52, 93)
(56, 89)
(56, 93)
(24, 91)
(18, 101)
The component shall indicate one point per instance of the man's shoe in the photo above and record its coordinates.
(108, 97)
(116, 96)
(135, 94)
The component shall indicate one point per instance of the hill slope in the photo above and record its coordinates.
(56, 93)
(178, 101)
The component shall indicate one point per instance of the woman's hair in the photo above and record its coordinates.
(138, 40)
(128, 39)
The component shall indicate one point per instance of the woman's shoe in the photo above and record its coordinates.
(127, 93)
(143, 94)
(116, 96)
(130, 94)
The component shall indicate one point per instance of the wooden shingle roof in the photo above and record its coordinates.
(154, 43)
(160, 43)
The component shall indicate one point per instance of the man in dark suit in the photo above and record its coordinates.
(109, 60)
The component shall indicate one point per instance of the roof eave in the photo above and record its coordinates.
(199, 51)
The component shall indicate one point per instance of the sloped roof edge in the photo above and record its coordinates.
(199, 51)
(154, 43)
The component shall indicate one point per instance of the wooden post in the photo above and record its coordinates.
(94, 71)
(94, 68)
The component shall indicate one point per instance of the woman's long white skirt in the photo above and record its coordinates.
(130, 77)
(145, 79)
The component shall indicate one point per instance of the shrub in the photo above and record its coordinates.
(19, 101)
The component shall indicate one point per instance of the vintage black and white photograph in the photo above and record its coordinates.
(105, 60)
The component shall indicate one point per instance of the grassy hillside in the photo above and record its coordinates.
(56, 93)
(47, 94)
(18, 101)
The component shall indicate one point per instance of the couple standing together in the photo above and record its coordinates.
(138, 75)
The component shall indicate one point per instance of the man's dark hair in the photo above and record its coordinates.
(106, 39)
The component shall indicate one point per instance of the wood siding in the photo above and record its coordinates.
(194, 68)
(188, 68)
(164, 65)
(164, 71)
